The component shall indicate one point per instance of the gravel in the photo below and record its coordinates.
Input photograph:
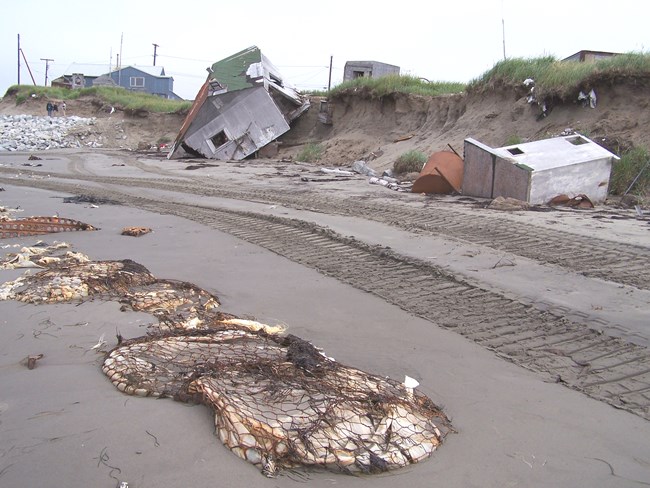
(34, 133)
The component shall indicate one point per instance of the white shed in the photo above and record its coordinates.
(538, 171)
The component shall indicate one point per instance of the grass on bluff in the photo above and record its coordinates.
(118, 97)
(389, 84)
(560, 78)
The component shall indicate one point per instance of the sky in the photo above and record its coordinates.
(438, 41)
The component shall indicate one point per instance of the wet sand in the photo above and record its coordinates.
(64, 424)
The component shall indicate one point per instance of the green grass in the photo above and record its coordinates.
(409, 162)
(118, 97)
(311, 153)
(625, 170)
(378, 87)
(560, 78)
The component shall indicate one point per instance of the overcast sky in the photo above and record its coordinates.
(440, 41)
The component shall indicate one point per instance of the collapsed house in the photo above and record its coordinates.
(536, 172)
(243, 105)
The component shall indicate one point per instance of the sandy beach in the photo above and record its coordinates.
(64, 424)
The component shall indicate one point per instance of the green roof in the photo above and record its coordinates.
(231, 71)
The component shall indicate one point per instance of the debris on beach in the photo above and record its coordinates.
(31, 360)
(278, 401)
(33, 226)
(442, 174)
(135, 231)
(537, 171)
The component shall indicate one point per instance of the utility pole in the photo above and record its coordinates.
(19, 59)
(329, 81)
(47, 67)
(155, 46)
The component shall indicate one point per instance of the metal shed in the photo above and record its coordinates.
(538, 171)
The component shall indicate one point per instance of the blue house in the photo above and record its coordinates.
(147, 79)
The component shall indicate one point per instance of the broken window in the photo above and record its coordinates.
(515, 151)
(577, 140)
(137, 81)
(358, 74)
(219, 139)
(275, 79)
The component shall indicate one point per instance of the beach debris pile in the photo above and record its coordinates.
(33, 226)
(34, 133)
(278, 401)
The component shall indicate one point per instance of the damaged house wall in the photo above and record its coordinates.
(368, 69)
(536, 172)
(243, 106)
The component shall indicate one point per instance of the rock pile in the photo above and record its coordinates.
(33, 133)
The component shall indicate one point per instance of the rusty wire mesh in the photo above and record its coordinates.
(278, 401)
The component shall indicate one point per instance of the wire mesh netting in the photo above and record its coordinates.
(278, 401)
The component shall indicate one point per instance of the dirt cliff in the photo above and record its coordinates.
(391, 125)
(379, 129)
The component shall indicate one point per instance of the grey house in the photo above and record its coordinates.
(243, 105)
(368, 69)
(146, 79)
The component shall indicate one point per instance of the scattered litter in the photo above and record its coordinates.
(404, 138)
(579, 201)
(337, 171)
(508, 204)
(99, 344)
(31, 360)
(384, 182)
(588, 99)
(135, 231)
(90, 199)
(363, 169)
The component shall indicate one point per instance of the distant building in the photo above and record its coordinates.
(584, 55)
(80, 75)
(146, 79)
(368, 69)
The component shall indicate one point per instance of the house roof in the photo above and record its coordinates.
(250, 68)
(94, 70)
(232, 71)
(580, 55)
(157, 71)
(555, 152)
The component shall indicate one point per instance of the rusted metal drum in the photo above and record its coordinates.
(443, 173)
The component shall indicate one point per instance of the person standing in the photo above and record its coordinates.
(63, 107)
(49, 108)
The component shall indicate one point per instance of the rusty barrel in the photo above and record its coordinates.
(443, 173)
